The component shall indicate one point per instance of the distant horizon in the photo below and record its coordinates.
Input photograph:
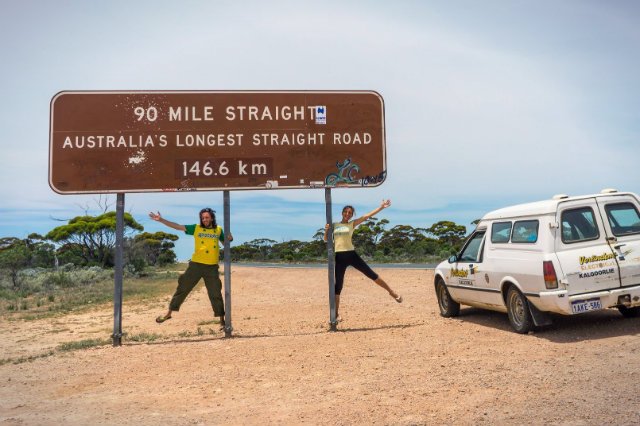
(251, 231)
(184, 245)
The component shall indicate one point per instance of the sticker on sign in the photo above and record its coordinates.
(321, 115)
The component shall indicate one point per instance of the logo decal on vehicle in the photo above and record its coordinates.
(598, 265)
(459, 273)
(596, 258)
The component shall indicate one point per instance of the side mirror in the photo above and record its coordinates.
(453, 259)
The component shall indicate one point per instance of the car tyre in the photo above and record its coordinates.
(518, 311)
(448, 307)
(629, 312)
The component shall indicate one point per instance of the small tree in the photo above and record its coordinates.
(8, 242)
(42, 253)
(154, 248)
(71, 253)
(368, 234)
(95, 235)
(13, 259)
(263, 247)
(449, 233)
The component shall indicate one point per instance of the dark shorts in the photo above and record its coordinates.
(344, 259)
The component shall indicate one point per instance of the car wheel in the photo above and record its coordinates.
(518, 311)
(448, 306)
(629, 312)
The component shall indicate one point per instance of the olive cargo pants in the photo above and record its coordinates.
(188, 280)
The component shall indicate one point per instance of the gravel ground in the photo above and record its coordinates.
(388, 363)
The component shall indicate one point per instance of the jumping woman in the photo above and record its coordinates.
(345, 252)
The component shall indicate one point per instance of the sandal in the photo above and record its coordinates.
(162, 318)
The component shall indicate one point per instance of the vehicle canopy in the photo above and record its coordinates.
(544, 207)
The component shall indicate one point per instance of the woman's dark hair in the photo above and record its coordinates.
(349, 207)
(213, 216)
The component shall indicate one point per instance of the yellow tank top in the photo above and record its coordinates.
(342, 233)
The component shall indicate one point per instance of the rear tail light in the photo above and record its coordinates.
(550, 278)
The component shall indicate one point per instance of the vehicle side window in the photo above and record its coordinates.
(500, 232)
(525, 231)
(471, 251)
(579, 225)
(623, 218)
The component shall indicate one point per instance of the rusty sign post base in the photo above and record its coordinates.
(118, 272)
(227, 265)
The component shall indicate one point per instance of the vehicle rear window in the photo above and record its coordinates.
(525, 231)
(579, 225)
(623, 218)
(500, 232)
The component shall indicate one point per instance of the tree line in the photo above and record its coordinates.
(90, 241)
(372, 239)
(87, 241)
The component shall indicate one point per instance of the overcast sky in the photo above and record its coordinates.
(487, 103)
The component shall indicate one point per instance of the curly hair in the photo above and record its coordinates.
(213, 216)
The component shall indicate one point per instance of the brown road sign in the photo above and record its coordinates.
(106, 142)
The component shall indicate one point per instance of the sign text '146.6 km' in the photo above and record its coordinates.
(223, 167)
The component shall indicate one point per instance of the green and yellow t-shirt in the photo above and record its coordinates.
(207, 243)
(342, 233)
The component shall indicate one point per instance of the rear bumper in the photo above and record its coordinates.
(560, 301)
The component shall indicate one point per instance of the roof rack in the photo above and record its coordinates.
(559, 197)
(608, 191)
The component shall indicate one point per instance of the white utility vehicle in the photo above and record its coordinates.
(567, 255)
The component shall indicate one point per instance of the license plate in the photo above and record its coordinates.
(580, 306)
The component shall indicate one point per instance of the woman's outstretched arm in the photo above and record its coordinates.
(383, 205)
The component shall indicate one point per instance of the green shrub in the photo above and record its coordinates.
(59, 279)
(144, 337)
(136, 265)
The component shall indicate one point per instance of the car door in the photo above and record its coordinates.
(621, 217)
(463, 281)
(586, 259)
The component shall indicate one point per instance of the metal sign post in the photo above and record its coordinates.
(227, 265)
(118, 272)
(332, 264)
